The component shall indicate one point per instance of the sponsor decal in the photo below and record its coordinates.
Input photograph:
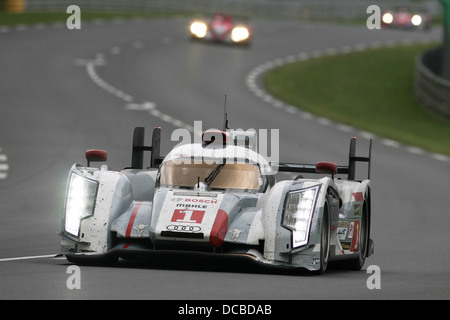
(194, 200)
(188, 216)
(191, 206)
(352, 228)
(346, 245)
(342, 230)
(357, 209)
(183, 228)
(358, 196)
(236, 233)
(140, 229)
(354, 235)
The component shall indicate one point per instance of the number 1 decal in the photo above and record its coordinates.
(188, 216)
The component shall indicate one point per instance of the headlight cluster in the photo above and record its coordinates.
(298, 212)
(239, 34)
(199, 29)
(80, 202)
(388, 18)
(416, 20)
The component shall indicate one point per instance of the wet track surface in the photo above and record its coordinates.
(67, 91)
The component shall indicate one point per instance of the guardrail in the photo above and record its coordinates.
(432, 91)
(285, 9)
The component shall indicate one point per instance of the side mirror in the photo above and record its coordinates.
(326, 167)
(96, 155)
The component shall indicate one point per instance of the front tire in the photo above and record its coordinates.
(358, 262)
(324, 240)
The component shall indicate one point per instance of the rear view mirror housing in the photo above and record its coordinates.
(96, 155)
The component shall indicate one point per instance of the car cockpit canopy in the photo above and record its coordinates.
(218, 165)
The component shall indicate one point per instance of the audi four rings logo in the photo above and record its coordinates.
(184, 228)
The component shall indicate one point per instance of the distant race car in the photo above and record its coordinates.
(222, 28)
(406, 19)
(217, 197)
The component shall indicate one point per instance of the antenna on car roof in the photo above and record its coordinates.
(225, 115)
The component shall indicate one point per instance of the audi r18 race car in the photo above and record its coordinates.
(222, 28)
(406, 19)
(217, 198)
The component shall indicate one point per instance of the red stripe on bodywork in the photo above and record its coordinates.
(219, 229)
(355, 240)
(132, 218)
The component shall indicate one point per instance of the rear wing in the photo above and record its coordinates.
(139, 147)
(349, 170)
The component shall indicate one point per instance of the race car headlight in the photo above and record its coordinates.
(240, 34)
(416, 20)
(199, 29)
(388, 18)
(80, 202)
(298, 212)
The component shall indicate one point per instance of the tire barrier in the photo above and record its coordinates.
(432, 91)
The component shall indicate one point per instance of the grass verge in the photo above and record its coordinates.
(370, 90)
(11, 19)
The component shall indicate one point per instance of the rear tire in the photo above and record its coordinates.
(358, 262)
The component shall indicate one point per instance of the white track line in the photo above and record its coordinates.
(91, 65)
(28, 258)
(149, 107)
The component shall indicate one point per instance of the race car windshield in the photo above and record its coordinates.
(242, 176)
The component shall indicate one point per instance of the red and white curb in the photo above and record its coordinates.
(4, 167)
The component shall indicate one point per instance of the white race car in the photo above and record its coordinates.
(218, 197)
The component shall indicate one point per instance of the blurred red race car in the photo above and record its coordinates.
(221, 28)
(406, 19)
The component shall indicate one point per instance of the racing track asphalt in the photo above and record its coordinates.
(53, 107)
